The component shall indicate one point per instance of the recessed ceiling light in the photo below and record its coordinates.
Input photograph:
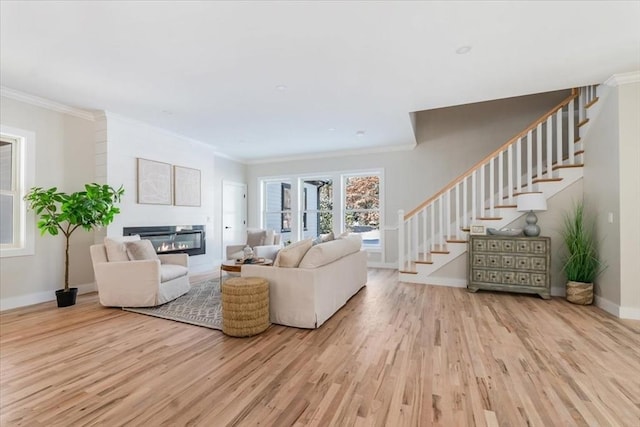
(331, 129)
(360, 133)
(463, 49)
(281, 88)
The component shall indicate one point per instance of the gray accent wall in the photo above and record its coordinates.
(450, 141)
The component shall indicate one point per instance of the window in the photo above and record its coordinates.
(317, 207)
(361, 198)
(276, 206)
(9, 193)
(17, 163)
(306, 206)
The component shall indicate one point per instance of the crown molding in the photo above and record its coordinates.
(45, 103)
(623, 79)
(339, 153)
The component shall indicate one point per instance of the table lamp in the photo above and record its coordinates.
(531, 202)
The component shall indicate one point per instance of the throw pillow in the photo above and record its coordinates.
(256, 238)
(116, 249)
(141, 250)
(290, 256)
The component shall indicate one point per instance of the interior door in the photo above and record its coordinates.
(234, 214)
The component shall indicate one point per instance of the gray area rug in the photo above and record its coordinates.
(200, 306)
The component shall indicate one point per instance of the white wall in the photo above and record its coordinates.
(128, 140)
(629, 101)
(612, 187)
(450, 141)
(64, 159)
(602, 190)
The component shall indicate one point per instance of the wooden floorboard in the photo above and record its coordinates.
(397, 354)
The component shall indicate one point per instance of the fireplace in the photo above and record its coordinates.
(172, 239)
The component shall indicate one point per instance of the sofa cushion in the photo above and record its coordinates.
(116, 248)
(290, 256)
(256, 237)
(327, 252)
(172, 271)
(141, 250)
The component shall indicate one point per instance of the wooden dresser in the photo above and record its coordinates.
(513, 264)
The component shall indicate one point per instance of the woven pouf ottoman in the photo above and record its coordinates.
(245, 306)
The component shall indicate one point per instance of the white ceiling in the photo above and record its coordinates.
(210, 70)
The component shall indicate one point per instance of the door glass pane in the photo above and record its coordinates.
(317, 205)
(6, 169)
(6, 219)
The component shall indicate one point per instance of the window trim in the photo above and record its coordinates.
(25, 178)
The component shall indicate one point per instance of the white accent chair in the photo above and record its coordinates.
(265, 244)
(140, 283)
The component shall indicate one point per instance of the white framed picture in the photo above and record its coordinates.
(186, 186)
(154, 182)
(477, 229)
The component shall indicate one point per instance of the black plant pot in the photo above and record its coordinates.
(66, 299)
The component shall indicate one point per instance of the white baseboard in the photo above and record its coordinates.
(607, 305)
(40, 297)
(385, 265)
(631, 313)
(447, 281)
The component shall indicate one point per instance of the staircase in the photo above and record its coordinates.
(545, 157)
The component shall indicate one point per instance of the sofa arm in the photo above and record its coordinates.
(177, 259)
(231, 249)
(268, 251)
(128, 283)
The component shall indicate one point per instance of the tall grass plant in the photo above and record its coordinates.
(581, 262)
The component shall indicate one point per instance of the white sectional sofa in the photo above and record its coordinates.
(307, 293)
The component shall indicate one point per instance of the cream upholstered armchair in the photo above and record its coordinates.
(265, 244)
(129, 273)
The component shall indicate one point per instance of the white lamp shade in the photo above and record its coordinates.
(531, 202)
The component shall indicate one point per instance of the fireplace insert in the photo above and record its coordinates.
(172, 239)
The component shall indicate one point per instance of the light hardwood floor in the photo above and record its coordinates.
(397, 354)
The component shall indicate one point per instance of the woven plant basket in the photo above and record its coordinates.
(580, 293)
(245, 306)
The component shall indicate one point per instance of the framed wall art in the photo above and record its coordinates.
(154, 182)
(186, 186)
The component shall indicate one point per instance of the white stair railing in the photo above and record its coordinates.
(530, 157)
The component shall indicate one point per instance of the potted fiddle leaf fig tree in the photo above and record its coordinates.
(59, 212)
(581, 263)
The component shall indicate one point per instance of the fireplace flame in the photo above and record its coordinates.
(164, 247)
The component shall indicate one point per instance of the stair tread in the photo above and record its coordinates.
(451, 240)
(591, 103)
(439, 249)
(577, 165)
(583, 122)
(537, 180)
(489, 218)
